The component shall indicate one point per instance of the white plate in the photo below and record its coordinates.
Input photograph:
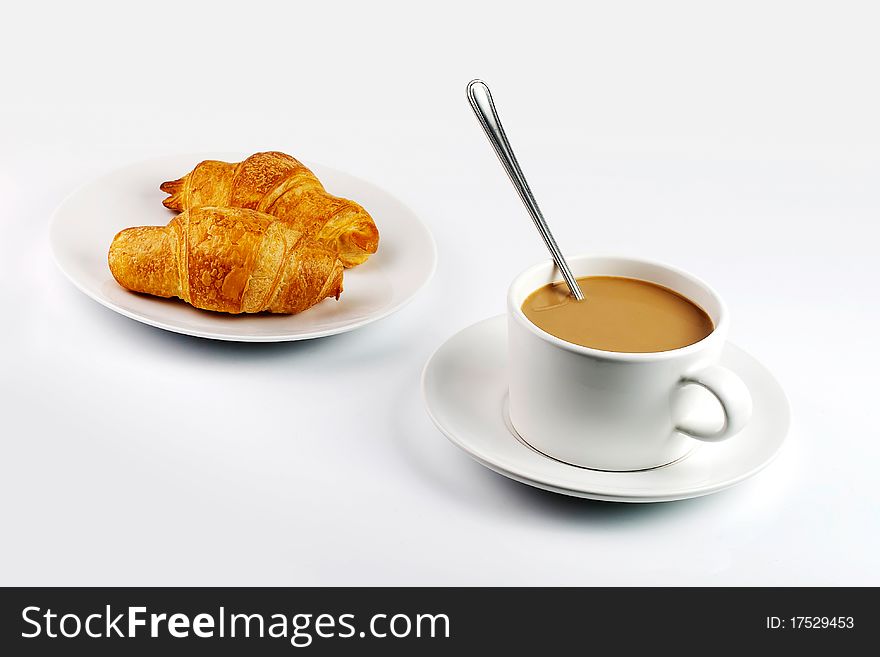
(85, 223)
(465, 389)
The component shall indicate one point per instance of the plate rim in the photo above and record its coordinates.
(607, 494)
(226, 337)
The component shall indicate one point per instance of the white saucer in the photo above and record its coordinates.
(85, 223)
(464, 385)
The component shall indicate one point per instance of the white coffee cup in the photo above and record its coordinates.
(618, 411)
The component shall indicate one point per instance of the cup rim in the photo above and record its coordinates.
(514, 309)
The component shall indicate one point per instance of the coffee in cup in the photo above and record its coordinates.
(618, 314)
(613, 382)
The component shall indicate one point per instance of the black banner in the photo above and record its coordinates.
(428, 621)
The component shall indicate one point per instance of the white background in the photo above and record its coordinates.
(738, 140)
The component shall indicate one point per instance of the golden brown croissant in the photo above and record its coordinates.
(282, 186)
(228, 259)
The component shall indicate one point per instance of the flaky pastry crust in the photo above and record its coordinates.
(231, 260)
(280, 185)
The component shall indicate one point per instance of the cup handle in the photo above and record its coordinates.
(731, 393)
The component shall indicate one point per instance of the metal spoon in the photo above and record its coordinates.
(480, 99)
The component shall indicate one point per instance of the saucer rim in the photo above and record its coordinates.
(609, 493)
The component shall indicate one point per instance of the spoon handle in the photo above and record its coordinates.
(480, 99)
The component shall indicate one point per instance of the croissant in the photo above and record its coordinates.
(279, 185)
(232, 260)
